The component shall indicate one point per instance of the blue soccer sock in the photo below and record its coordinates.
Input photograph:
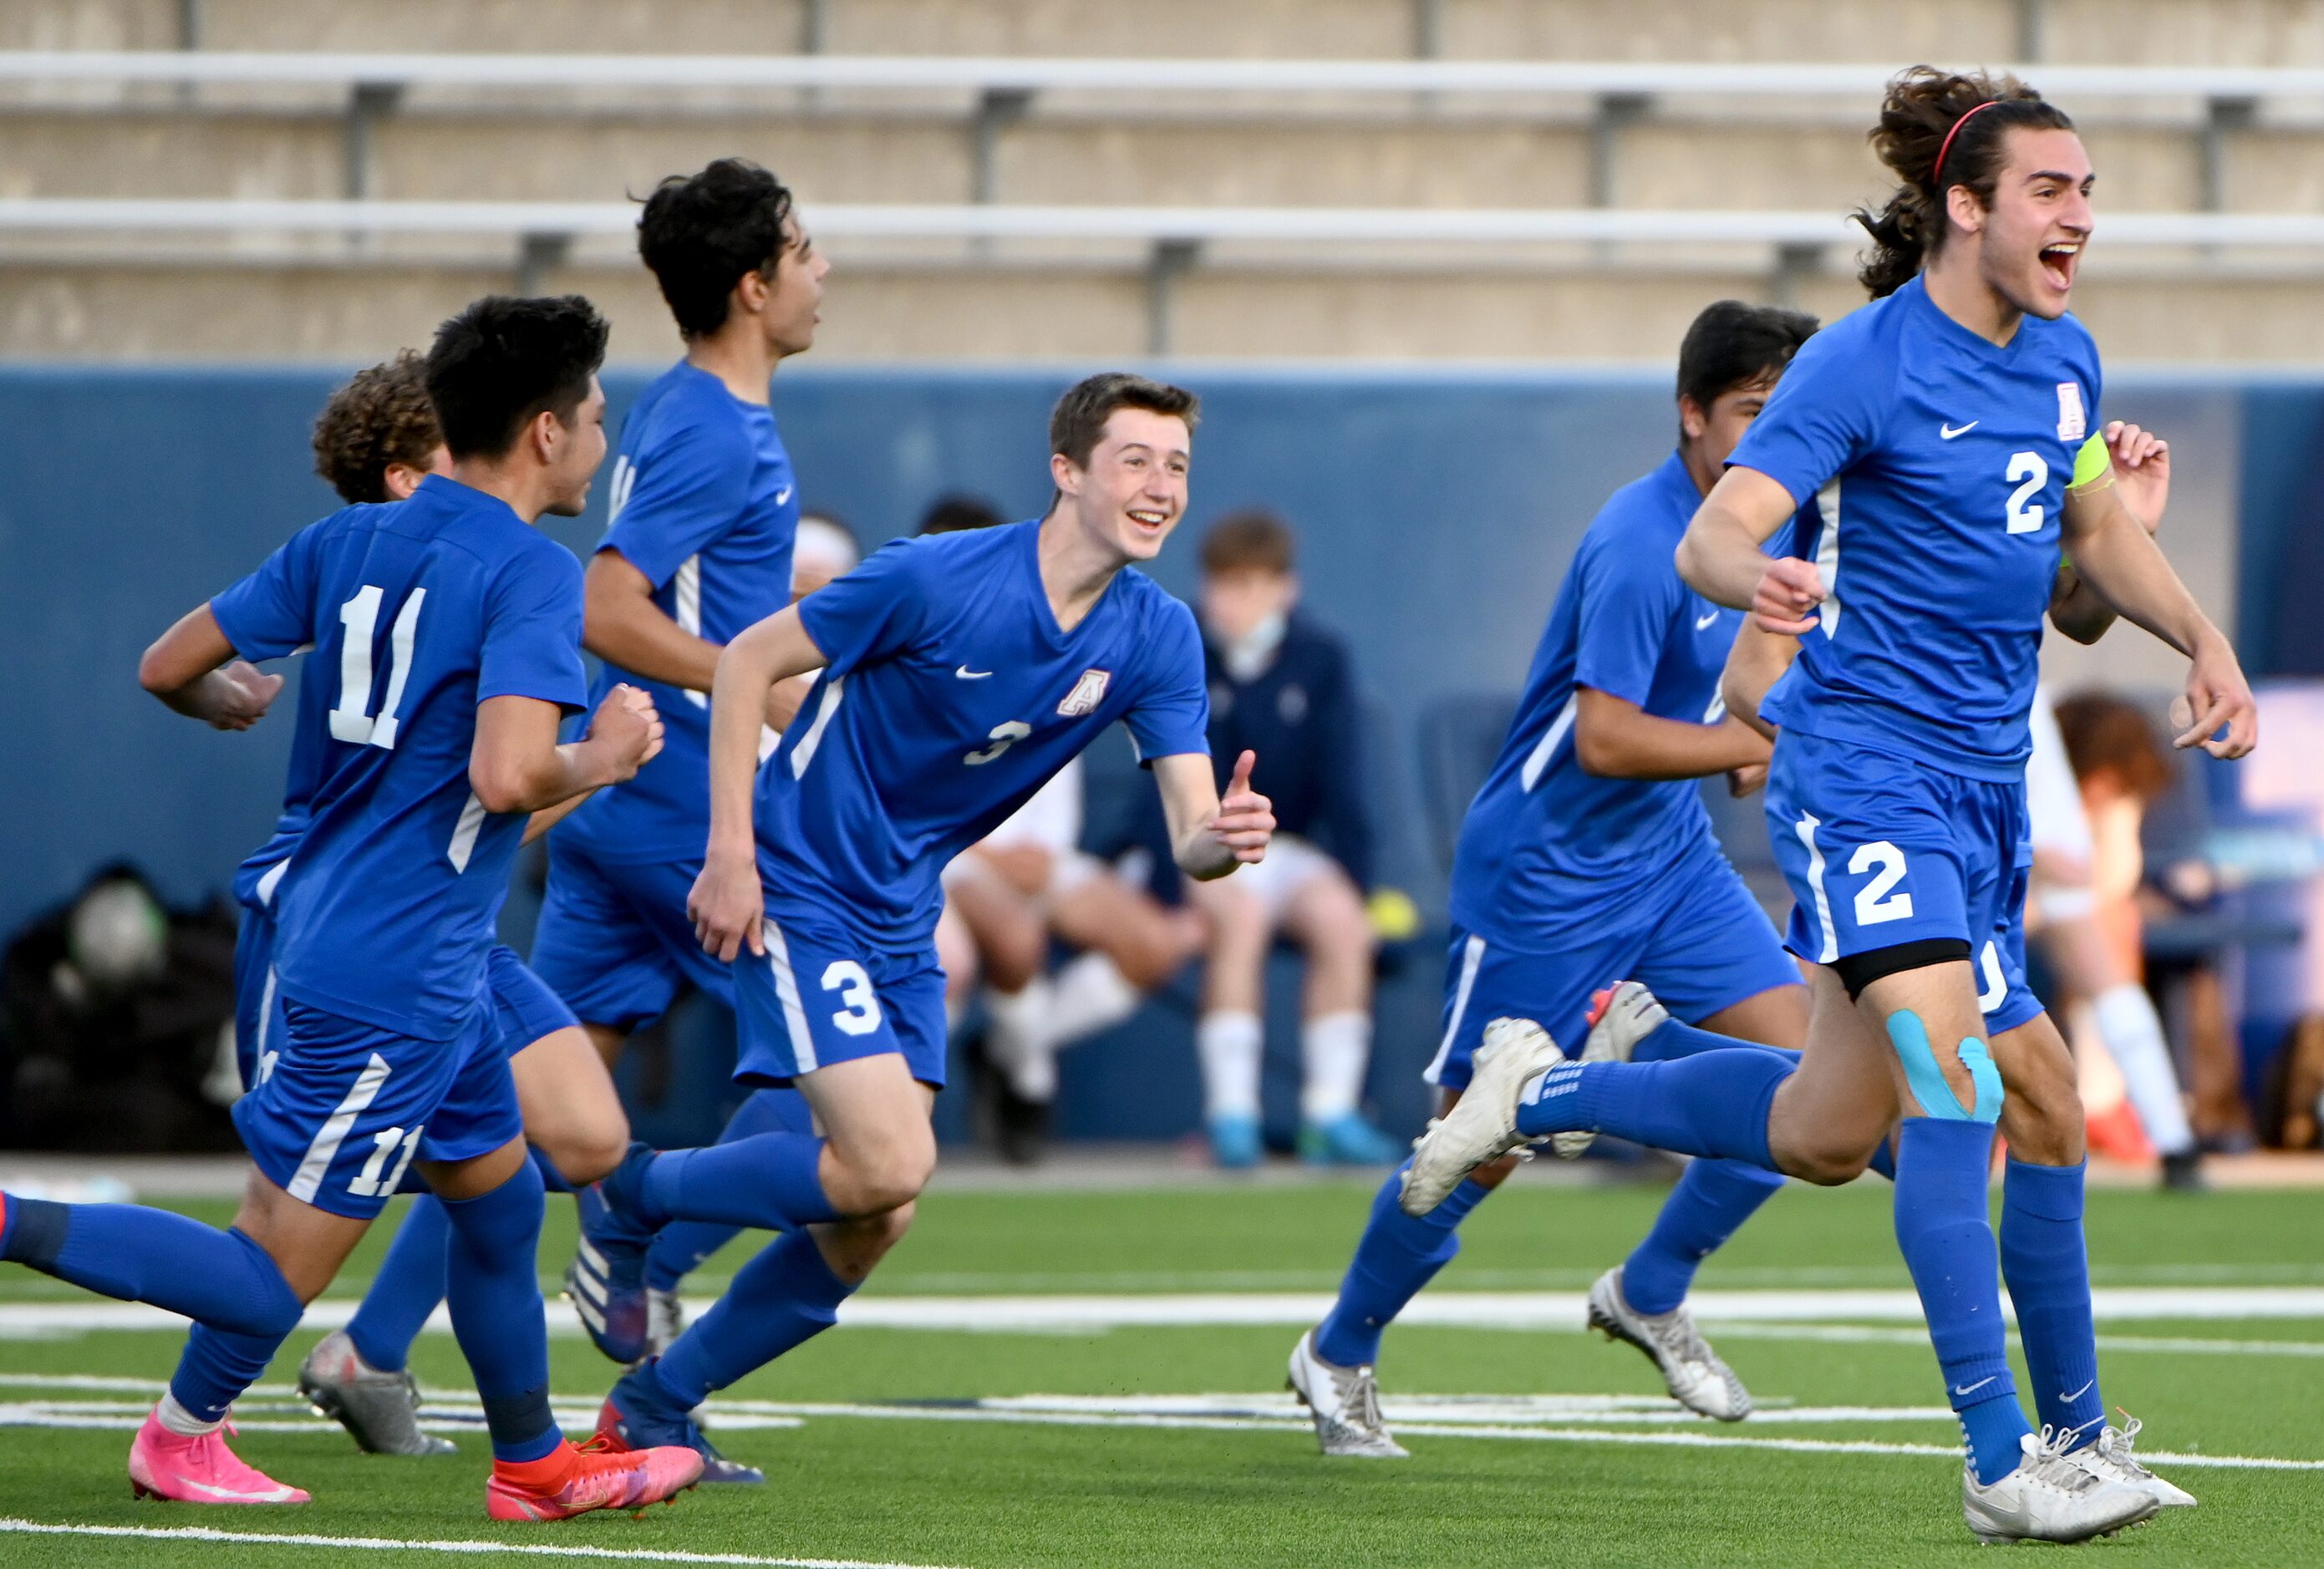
(407, 1289)
(493, 1286)
(1715, 1103)
(1397, 1254)
(551, 1177)
(783, 1297)
(682, 1245)
(216, 1368)
(134, 1254)
(1711, 1200)
(1946, 1241)
(1672, 1039)
(768, 1180)
(2047, 1265)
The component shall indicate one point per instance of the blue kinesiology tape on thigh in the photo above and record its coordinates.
(1911, 1039)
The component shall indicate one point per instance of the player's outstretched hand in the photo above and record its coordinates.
(240, 693)
(1789, 592)
(2142, 471)
(1246, 818)
(628, 729)
(728, 907)
(2218, 698)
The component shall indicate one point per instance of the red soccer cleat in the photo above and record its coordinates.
(570, 1480)
(177, 1469)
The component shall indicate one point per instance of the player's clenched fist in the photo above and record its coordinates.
(1246, 818)
(239, 696)
(628, 729)
(1789, 592)
(728, 906)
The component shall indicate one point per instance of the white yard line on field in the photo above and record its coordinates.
(395, 1544)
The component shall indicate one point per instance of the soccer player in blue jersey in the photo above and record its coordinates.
(1947, 435)
(959, 672)
(1587, 855)
(704, 510)
(452, 629)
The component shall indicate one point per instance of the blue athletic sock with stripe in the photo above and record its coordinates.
(1947, 1240)
(681, 1246)
(407, 1289)
(783, 1297)
(2047, 1265)
(1714, 1103)
(1712, 1199)
(1397, 1254)
(768, 1180)
(136, 1254)
(492, 1287)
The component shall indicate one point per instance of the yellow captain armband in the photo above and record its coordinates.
(2093, 466)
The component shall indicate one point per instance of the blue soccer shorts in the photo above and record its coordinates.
(1690, 930)
(346, 1106)
(820, 997)
(614, 940)
(1881, 851)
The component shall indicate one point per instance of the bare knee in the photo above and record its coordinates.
(583, 1153)
(1826, 1168)
(885, 1174)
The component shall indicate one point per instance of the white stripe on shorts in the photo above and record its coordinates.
(778, 962)
(334, 1131)
(1805, 828)
(1472, 954)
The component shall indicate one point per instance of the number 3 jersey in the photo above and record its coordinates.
(949, 696)
(416, 611)
(1938, 464)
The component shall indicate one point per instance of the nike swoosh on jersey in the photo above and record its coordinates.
(1702, 622)
(1972, 1388)
(1947, 432)
(782, 495)
(965, 674)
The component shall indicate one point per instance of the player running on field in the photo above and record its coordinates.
(1587, 855)
(376, 442)
(1947, 434)
(959, 673)
(705, 513)
(454, 630)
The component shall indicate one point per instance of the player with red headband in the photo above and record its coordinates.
(1934, 454)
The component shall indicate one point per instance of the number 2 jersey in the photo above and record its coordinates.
(949, 696)
(416, 611)
(1938, 462)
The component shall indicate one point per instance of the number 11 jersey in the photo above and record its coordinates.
(416, 611)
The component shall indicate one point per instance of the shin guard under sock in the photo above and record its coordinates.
(783, 1297)
(1714, 1104)
(1712, 1199)
(492, 1287)
(2047, 1265)
(1946, 1241)
(1397, 1254)
(769, 1180)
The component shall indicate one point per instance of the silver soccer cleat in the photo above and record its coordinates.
(1345, 1402)
(1628, 1015)
(1483, 1124)
(380, 1409)
(2051, 1497)
(1696, 1377)
(2110, 1459)
(665, 1320)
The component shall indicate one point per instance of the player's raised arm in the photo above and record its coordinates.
(2142, 472)
(1211, 834)
(2115, 554)
(727, 904)
(192, 668)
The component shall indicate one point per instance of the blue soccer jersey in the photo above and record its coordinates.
(951, 694)
(1543, 838)
(1938, 462)
(417, 612)
(706, 505)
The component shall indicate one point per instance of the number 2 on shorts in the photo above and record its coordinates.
(1874, 901)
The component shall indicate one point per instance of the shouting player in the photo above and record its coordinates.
(1948, 435)
(1588, 854)
(959, 673)
(453, 630)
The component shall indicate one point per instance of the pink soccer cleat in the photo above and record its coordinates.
(172, 1466)
(572, 1480)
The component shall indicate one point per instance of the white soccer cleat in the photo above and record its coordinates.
(1697, 1379)
(1619, 1018)
(2051, 1497)
(1483, 1124)
(2110, 1460)
(1345, 1402)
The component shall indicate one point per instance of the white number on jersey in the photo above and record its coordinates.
(1874, 903)
(859, 1010)
(368, 1183)
(351, 719)
(1002, 736)
(2024, 516)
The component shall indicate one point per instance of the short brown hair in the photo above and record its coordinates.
(1079, 418)
(383, 417)
(2103, 733)
(1250, 540)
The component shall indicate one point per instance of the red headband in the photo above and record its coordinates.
(1937, 174)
